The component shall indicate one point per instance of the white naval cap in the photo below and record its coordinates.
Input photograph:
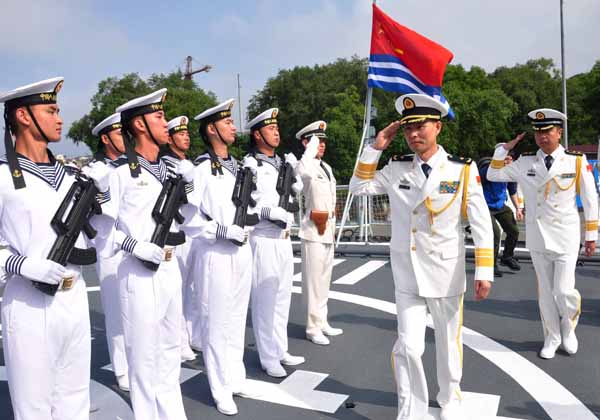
(545, 118)
(44, 92)
(263, 119)
(417, 107)
(216, 113)
(147, 104)
(108, 124)
(177, 124)
(316, 128)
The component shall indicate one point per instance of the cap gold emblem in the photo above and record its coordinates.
(408, 103)
(539, 115)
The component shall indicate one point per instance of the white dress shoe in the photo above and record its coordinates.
(332, 332)
(290, 360)
(319, 339)
(247, 392)
(275, 371)
(227, 406)
(452, 411)
(123, 382)
(570, 343)
(549, 350)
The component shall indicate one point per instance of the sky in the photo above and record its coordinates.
(87, 41)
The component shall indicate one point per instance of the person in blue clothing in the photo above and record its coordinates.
(495, 197)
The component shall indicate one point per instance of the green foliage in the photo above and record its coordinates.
(184, 97)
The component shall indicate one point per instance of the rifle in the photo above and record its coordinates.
(285, 179)
(166, 209)
(81, 200)
(245, 183)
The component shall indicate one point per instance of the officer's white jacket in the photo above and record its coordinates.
(25, 214)
(427, 215)
(266, 195)
(551, 216)
(319, 193)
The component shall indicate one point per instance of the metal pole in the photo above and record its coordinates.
(239, 89)
(564, 77)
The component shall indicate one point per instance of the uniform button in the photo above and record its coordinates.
(414, 248)
(414, 212)
(414, 230)
(556, 205)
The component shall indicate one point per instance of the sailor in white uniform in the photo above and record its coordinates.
(46, 339)
(150, 300)
(551, 178)
(172, 155)
(110, 147)
(223, 270)
(317, 231)
(273, 265)
(430, 193)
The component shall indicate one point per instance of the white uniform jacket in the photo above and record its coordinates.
(427, 215)
(551, 217)
(319, 193)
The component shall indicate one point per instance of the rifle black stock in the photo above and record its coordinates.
(166, 209)
(245, 184)
(81, 200)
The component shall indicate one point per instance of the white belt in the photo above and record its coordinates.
(284, 234)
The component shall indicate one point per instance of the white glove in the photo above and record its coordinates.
(312, 148)
(42, 270)
(250, 162)
(232, 232)
(291, 159)
(99, 173)
(148, 251)
(275, 213)
(186, 169)
(298, 185)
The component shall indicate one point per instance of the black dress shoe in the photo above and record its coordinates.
(497, 272)
(511, 263)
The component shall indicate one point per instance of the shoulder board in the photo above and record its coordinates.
(528, 154)
(403, 158)
(120, 161)
(460, 159)
(572, 152)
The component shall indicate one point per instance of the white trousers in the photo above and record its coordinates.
(225, 276)
(47, 351)
(558, 299)
(191, 298)
(111, 305)
(273, 270)
(317, 266)
(184, 255)
(413, 396)
(151, 306)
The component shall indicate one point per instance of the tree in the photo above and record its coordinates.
(184, 97)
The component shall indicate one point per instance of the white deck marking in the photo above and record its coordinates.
(361, 272)
(558, 402)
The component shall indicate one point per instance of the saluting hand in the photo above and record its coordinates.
(511, 144)
(385, 136)
(482, 289)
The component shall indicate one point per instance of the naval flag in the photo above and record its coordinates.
(404, 61)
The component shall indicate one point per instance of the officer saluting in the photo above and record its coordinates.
(430, 192)
(110, 147)
(150, 300)
(46, 339)
(550, 180)
(317, 231)
(273, 265)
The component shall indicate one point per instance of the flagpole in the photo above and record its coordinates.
(564, 78)
(365, 133)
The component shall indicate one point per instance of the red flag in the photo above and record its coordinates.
(424, 58)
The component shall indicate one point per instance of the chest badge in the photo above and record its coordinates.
(448, 187)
